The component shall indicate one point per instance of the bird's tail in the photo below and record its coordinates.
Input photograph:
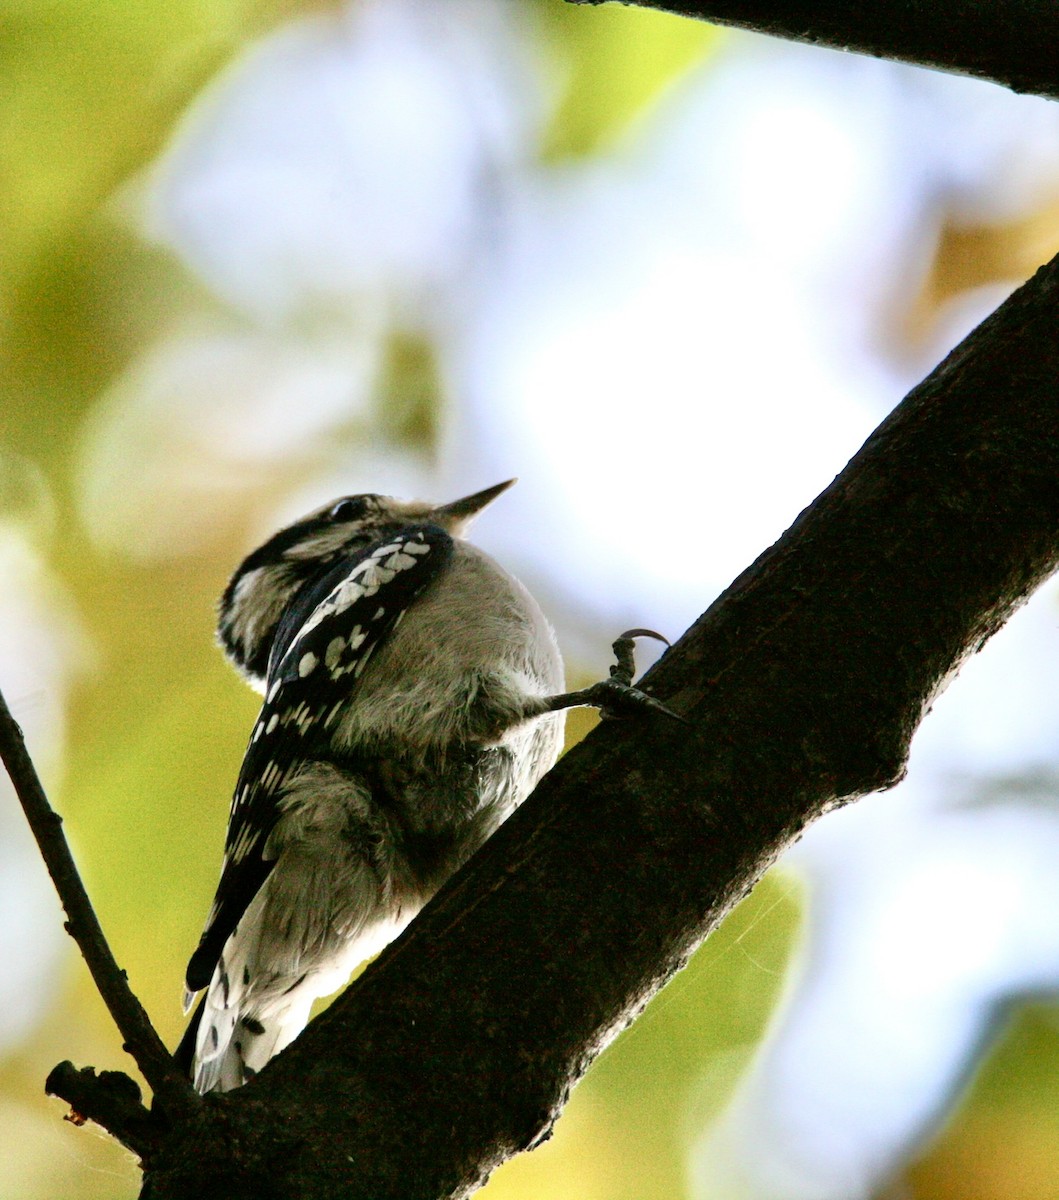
(236, 1030)
(265, 981)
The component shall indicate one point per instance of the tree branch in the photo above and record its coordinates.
(804, 683)
(141, 1040)
(1011, 42)
(110, 1099)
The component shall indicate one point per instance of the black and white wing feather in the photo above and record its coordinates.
(322, 646)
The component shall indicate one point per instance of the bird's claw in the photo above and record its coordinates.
(617, 693)
(624, 648)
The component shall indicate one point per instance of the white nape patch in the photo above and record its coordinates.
(307, 664)
(247, 583)
(255, 608)
(251, 609)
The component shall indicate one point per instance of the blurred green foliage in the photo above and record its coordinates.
(89, 92)
(1001, 1141)
(614, 64)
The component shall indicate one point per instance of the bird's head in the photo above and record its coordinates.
(270, 577)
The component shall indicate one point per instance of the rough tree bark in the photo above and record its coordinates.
(803, 685)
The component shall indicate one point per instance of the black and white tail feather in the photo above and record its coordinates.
(412, 701)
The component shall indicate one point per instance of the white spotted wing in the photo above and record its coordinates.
(322, 646)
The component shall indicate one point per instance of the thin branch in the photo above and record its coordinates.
(1011, 42)
(112, 1100)
(141, 1040)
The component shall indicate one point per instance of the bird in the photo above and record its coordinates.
(412, 700)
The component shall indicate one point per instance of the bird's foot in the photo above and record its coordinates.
(616, 696)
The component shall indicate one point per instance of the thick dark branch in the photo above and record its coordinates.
(804, 684)
(1012, 42)
(141, 1040)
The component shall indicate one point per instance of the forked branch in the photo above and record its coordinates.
(140, 1038)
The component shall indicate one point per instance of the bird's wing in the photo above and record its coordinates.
(322, 647)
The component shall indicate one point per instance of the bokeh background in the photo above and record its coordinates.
(256, 255)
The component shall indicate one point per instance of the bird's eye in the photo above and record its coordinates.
(350, 509)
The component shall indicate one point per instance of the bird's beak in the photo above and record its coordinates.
(456, 516)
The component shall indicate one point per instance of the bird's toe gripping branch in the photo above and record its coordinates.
(616, 696)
